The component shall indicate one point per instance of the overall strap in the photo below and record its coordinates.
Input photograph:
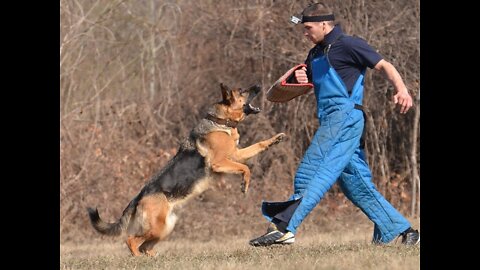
(313, 53)
(327, 48)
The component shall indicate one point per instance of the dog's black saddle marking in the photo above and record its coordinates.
(179, 176)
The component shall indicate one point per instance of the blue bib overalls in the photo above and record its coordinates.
(335, 153)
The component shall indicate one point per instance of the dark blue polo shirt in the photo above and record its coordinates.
(348, 56)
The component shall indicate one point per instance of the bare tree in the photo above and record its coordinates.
(136, 75)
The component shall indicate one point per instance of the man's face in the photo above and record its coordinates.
(314, 31)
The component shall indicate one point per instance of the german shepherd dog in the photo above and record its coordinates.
(209, 151)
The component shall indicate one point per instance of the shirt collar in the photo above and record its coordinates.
(330, 37)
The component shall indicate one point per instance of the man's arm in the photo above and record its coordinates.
(402, 96)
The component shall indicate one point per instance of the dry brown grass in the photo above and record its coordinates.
(348, 247)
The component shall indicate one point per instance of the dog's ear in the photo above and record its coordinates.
(226, 93)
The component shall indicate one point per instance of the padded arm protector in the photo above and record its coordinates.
(281, 91)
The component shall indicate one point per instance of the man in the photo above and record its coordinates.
(336, 66)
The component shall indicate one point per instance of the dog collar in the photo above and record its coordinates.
(225, 122)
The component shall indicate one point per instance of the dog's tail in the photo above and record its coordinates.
(113, 229)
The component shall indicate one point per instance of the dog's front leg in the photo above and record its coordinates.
(227, 166)
(244, 154)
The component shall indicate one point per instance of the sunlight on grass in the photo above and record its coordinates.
(338, 250)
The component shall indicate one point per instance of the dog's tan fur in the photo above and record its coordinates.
(210, 150)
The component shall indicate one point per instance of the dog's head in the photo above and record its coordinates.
(236, 101)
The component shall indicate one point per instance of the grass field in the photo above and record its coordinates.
(349, 248)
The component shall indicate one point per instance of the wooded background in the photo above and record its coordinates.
(136, 76)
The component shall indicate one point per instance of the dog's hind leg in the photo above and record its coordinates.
(147, 246)
(164, 228)
(160, 221)
(133, 243)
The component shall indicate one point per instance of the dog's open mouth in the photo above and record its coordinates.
(252, 92)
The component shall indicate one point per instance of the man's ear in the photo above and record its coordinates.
(226, 93)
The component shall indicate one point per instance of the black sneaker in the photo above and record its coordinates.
(273, 237)
(410, 237)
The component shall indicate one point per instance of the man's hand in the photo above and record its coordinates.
(402, 97)
(404, 100)
(301, 75)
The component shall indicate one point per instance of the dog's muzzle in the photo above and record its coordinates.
(248, 108)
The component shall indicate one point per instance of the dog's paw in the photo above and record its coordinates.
(244, 188)
(150, 253)
(278, 138)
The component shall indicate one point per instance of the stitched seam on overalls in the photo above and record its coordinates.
(332, 142)
(358, 175)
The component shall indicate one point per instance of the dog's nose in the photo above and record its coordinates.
(248, 109)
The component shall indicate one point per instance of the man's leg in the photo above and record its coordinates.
(319, 169)
(327, 156)
(356, 183)
(323, 164)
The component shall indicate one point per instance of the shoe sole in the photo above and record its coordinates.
(286, 239)
(286, 242)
